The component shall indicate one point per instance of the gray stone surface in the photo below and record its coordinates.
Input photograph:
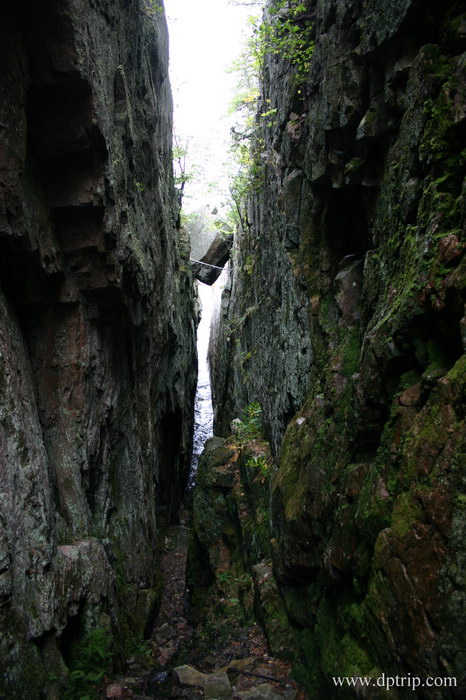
(97, 368)
(265, 691)
(217, 686)
(190, 676)
(204, 225)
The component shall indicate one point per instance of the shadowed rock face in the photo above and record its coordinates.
(97, 368)
(345, 321)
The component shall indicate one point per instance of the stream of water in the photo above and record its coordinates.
(203, 412)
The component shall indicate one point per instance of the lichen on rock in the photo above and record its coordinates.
(97, 363)
(344, 319)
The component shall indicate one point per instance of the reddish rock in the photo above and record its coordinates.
(451, 247)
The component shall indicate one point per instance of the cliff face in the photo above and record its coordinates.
(97, 368)
(345, 321)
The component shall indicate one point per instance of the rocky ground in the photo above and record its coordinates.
(184, 661)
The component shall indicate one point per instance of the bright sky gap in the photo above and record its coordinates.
(205, 38)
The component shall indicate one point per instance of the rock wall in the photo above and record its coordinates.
(97, 356)
(345, 320)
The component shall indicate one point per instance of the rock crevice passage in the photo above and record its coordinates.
(334, 513)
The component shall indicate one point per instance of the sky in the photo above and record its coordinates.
(205, 38)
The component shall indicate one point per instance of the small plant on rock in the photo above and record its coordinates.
(288, 33)
(261, 464)
(92, 659)
(250, 427)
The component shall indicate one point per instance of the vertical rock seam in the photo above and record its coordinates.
(345, 320)
(97, 351)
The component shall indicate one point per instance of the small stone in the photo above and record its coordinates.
(210, 660)
(410, 396)
(290, 694)
(217, 686)
(450, 247)
(265, 691)
(188, 675)
(315, 304)
(114, 690)
(241, 664)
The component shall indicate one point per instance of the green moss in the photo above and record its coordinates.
(289, 476)
(408, 379)
(351, 353)
(435, 144)
(439, 64)
(422, 444)
(328, 313)
(306, 670)
(330, 650)
(457, 374)
(329, 638)
(280, 634)
(354, 616)
(406, 511)
(439, 203)
(437, 356)
(354, 661)
(372, 512)
(261, 531)
(136, 608)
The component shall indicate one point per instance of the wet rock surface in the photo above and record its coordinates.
(97, 368)
(344, 319)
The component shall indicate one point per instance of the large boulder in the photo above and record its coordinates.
(210, 267)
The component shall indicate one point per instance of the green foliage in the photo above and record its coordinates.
(153, 8)
(225, 577)
(260, 463)
(92, 659)
(250, 427)
(180, 154)
(287, 33)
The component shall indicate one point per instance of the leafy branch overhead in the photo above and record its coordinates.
(284, 32)
(180, 156)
